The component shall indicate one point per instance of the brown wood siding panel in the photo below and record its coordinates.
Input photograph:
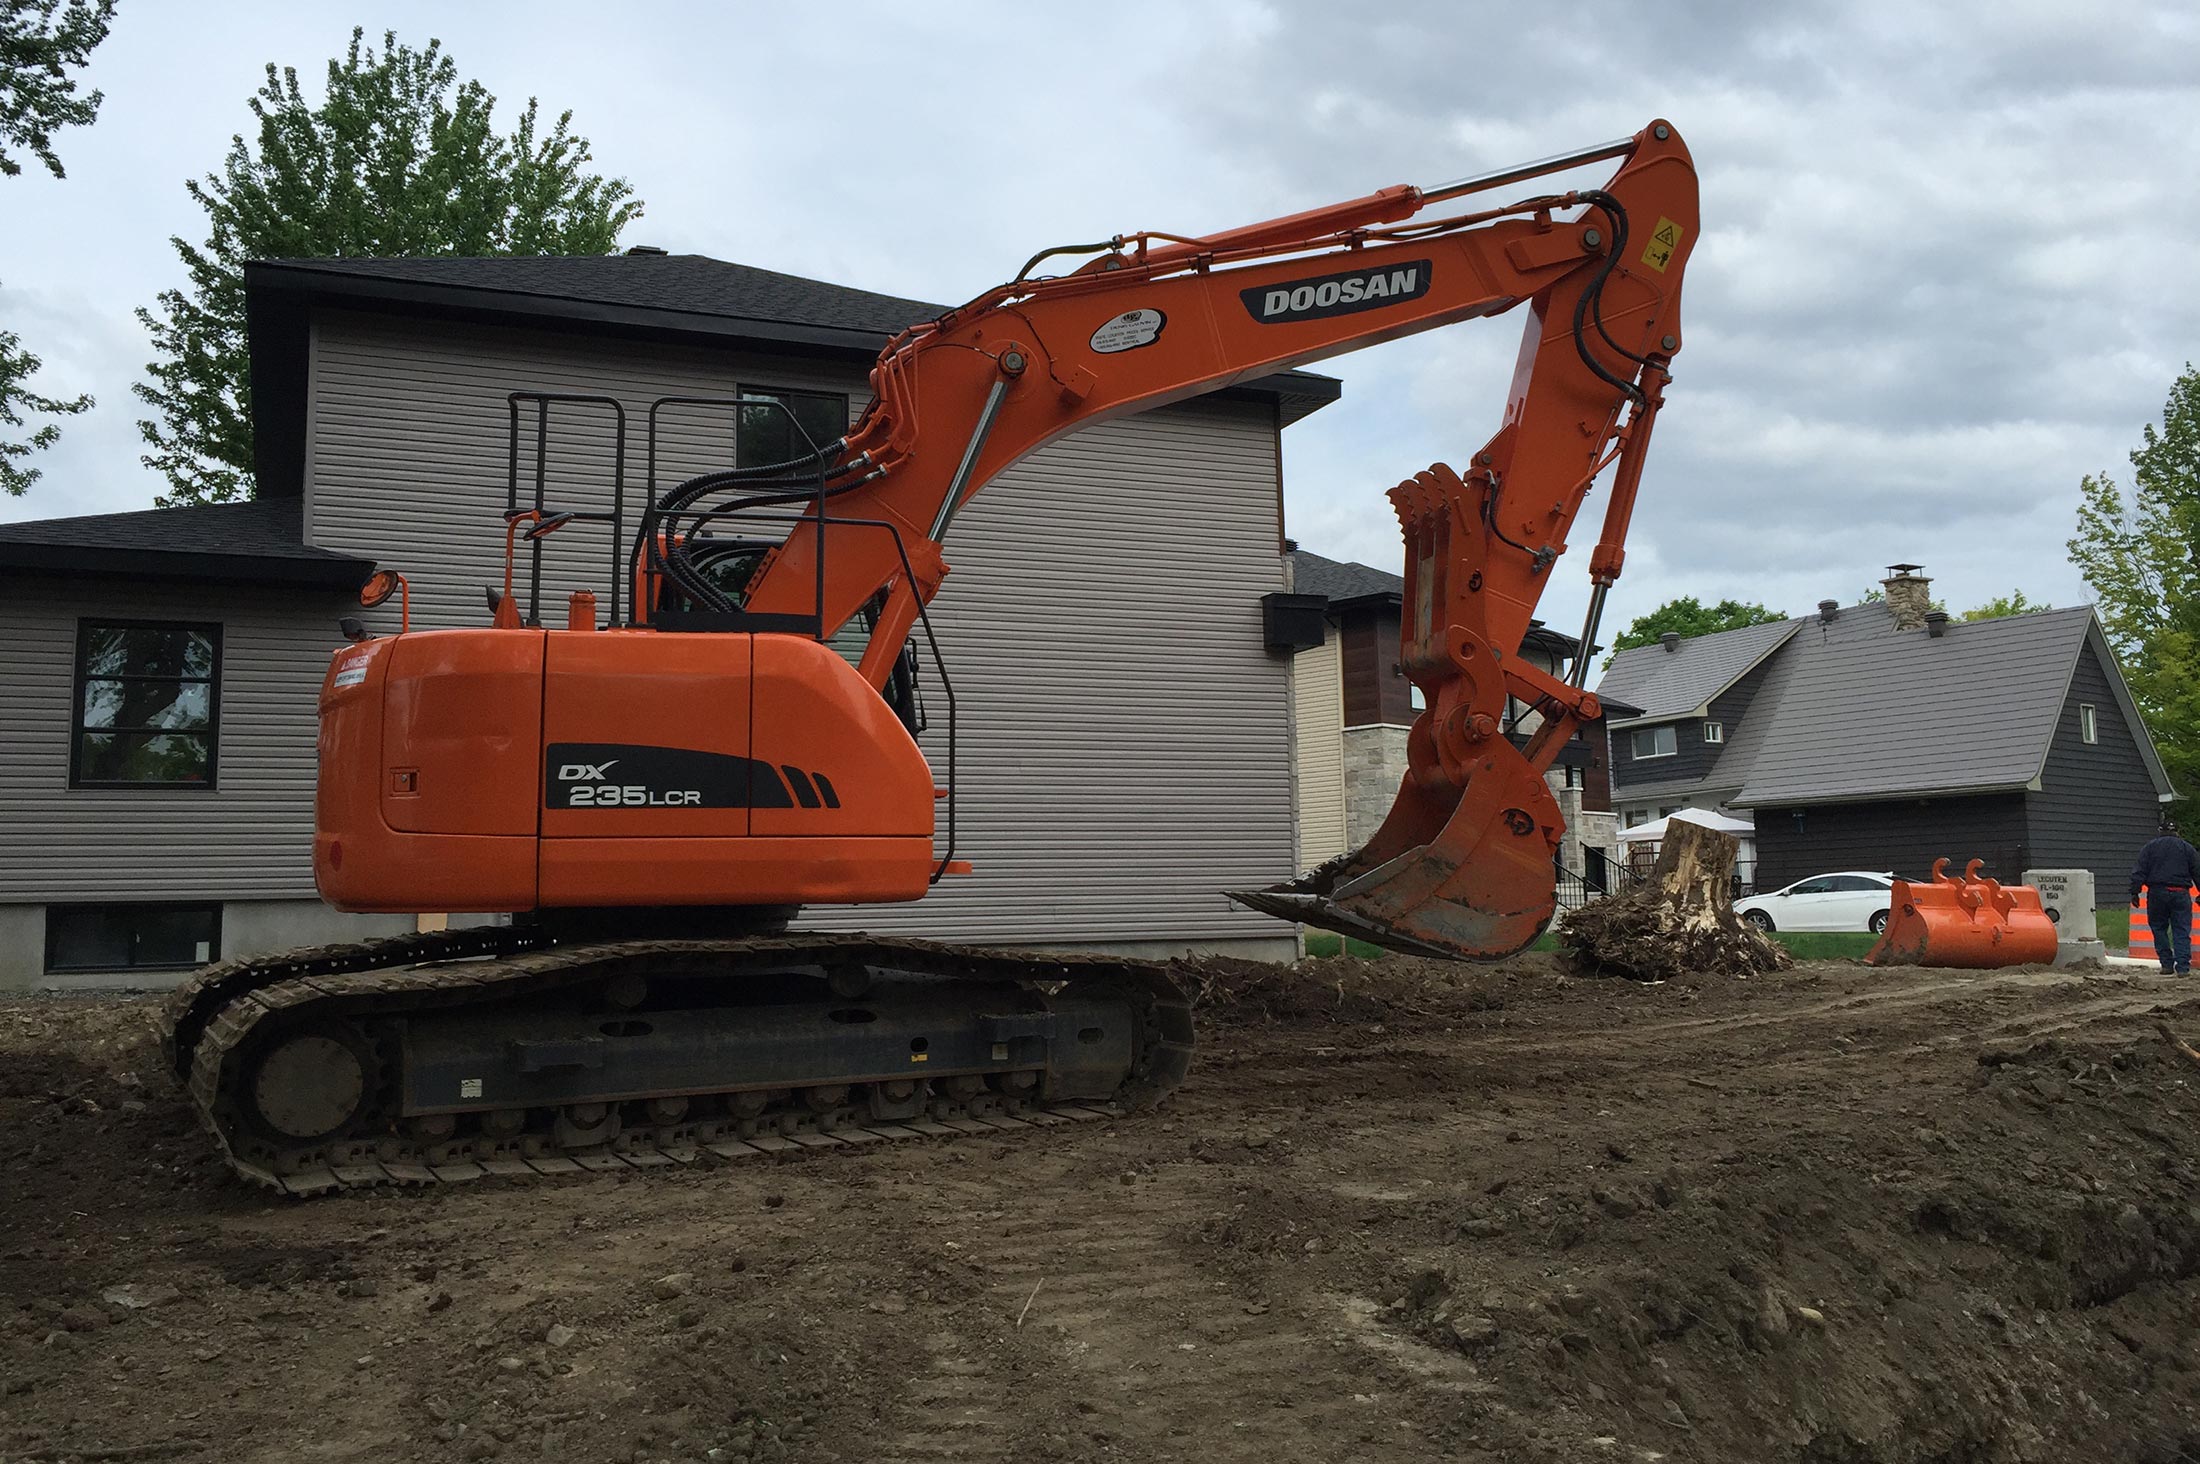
(1596, 776)
(1396, 691)
(1363, 701)
(1374, 689)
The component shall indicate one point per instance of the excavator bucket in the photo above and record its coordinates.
(1972, 921)
(1462, 874)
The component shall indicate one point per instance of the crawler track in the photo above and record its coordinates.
(221, 1025)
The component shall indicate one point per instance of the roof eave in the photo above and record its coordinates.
(1745, 799)
(334, 573)
(1705, 707)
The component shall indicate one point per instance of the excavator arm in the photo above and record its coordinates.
(1463, 864)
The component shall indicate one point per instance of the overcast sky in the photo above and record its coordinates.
(1947, 265)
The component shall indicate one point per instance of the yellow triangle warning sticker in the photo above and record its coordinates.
(1664, 239)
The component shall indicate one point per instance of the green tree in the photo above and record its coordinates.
(399, 157)
(1688, 617)
(2012, 603)
(38, 58)
(2136, 549)
(16, 398)
(38, 93)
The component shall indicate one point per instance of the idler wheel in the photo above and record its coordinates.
(309, 1086)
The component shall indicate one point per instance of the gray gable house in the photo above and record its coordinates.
(1884, 735)
(1124, 733)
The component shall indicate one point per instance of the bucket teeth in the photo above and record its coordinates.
(1469, 881)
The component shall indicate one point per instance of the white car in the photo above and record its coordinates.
(1852, 900)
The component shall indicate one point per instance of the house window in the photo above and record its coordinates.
(131, 937)
(2089, 724)
(1636, 817)
(147, 698)
(1653, 741)
(764, 435)
(1714, 731)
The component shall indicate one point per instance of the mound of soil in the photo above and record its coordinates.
(1401, 1211)
(1350, 992)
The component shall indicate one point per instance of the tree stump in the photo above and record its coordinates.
(1680, 922)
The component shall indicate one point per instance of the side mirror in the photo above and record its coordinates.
(382, 584)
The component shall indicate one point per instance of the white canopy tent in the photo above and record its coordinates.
(1651, 832)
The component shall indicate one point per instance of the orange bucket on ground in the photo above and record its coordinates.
(1972, 921)
(2142, 934)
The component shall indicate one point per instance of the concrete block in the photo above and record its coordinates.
(2069, 897)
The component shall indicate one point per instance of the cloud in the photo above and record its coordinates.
(1944, 270)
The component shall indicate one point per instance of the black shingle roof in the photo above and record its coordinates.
(1859, 710)
(1678, 682)
(1339, 580)
(692, 284)
(1853, 710)
(256, 542)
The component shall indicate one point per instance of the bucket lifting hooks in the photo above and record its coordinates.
(1972, 921)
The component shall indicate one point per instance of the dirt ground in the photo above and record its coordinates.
(1399, 1212)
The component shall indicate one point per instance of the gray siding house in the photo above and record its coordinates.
(1884, 736)
(1125, 749)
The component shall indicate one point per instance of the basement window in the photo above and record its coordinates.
(147, 697)
(131, 937)
(1653, 742)
(2089, 724)
(1714, 731)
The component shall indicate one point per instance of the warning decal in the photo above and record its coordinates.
(1664, 239)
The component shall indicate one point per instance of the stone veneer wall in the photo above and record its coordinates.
(1374, 767)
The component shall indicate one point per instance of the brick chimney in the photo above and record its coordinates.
(1909, 595)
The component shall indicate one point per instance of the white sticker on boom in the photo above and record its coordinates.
(469, 1087)
(352, 672)
(1129, 331)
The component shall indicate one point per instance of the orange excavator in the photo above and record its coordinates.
(652, 798)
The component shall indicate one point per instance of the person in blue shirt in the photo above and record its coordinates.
(2167, 870)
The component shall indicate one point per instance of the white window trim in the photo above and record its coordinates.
(2089, 724)
(1653, 730)
(1714, 732)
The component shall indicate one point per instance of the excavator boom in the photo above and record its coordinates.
(1463, 864)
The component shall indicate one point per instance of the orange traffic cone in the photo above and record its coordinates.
(2142, 934)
